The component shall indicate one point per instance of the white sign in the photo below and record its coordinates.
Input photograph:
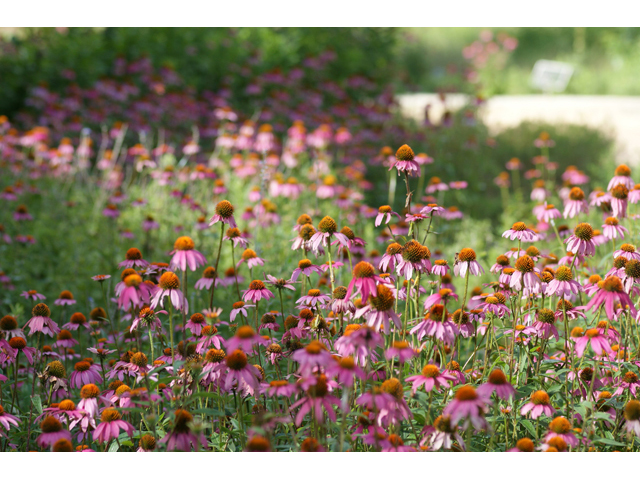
(551, 76)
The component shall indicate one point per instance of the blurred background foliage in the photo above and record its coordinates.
(206, 58)
(607, 60)
(408, 59)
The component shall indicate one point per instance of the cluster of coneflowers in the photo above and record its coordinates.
(347, 349)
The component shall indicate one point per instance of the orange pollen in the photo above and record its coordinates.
(525, 264)
(622, 171)
(563, 273)
(540, 398)
(89, 391)
(133, 280)
(236, 360)
(467, 255)
(50, 425)
(67, 405)
(405, 154)
(245, 332)
(627, 247)
(430, 371)
(224, 209)
(576, 193)
(632, 410)
(169, 281)
(82, 366)
(248, 254)
(466, 393)
(497, 377)
(133, 254)
(256, 285)
(315, 347)
(583, 231)
(519, 227)
(110, 415)
(363, 270)
(305, 263)
(184, 243)
(560, 425)
(592, 332)
(611, 284)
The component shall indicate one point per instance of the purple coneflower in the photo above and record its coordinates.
(133, 260)
(539, 404)
(239, 308)
(33, 295)
(170, 287)
(256, 292)
(384, 211)
(612, 229)
(7, 420)
(466, 261)
(306, 268)
(436, 324)
(581, 242)
(245, 338)
(224, 214)
(414, 257)
(560, 427)
(391, 257)
(65, 298)
(430, 378)
(363, 280)
(627, 251)
(405, 161)
(575, 204)
(525, 276)
(610, 291)
(622, 176)
(110, 425)
(208, 277)
(52, 431)
(469, 406)
(317, 400)
(245, 375)
(182, 438)
(401, 350)
(632, 417)
(314, 355)
(563, 284)
(519, 231)
(40, 322)
(380, 310)
(327, 229)
(546, 213)
(185, 255)
(498, 383)
(598, 343)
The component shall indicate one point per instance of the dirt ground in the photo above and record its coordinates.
(620, 115)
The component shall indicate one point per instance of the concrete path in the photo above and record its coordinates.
(619, 115)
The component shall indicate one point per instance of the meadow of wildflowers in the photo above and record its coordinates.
(181, 275)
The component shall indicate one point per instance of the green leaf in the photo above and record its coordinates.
(114, 447)
(608, 441)
(529, 426)
(37, 402)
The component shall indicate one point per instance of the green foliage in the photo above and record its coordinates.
(606, 60)
(207, 58)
